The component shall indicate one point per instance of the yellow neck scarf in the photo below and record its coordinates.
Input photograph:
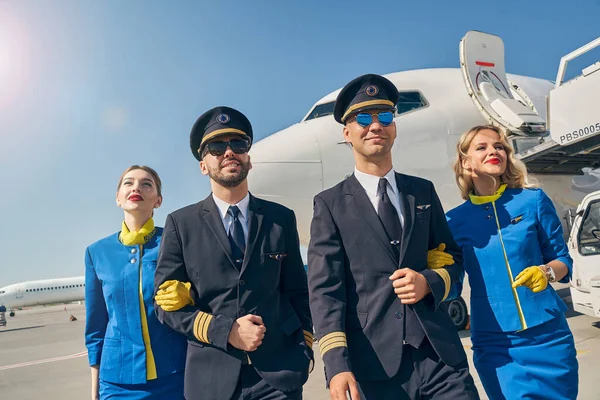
(133, 238)
(478, 200)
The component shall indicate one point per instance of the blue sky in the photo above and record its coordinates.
(89, 88)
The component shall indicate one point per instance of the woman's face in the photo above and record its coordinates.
(138, 192)
(486, 155)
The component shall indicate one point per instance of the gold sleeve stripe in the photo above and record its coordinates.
(332, 345)
(447, 281)
(308, 338)
(331, 341)
(201, 325)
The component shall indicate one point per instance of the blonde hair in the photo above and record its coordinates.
(515, 175)
(149, 170)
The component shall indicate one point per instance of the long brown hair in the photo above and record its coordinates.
(515, 175)
(149, 170)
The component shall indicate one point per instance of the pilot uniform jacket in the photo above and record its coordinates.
(499, 239)
(113, 332)
(270, 283)
(358, 318)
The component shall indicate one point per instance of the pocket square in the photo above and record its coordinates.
(423, 207)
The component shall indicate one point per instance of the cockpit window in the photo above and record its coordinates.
(589, 235)
(409, 101)
(321, 110)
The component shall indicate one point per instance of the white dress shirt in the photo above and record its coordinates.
(227, 219)
(370, 184)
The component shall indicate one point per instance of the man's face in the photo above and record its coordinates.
(372, 141)
(228, 169)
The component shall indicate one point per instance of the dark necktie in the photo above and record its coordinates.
(236, 235)
(388, 214)
(413, 332)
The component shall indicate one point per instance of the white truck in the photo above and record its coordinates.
(574, 122)
(584, 247)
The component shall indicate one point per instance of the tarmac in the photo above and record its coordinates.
(43, 355)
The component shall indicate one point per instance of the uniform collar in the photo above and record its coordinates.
(371, 182)
(478, 200)
(134, 238)
(223, 206)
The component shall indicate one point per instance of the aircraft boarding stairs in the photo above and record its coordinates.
(569, 141)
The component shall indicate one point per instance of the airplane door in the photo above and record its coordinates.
(19, 293)
(482, 65)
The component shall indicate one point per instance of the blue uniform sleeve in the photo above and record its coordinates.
(550, 234)
(96, 316)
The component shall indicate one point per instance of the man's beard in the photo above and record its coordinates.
(230, 180)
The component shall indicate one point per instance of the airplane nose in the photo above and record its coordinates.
(291, 178)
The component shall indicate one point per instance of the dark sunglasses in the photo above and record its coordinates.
(219, 148)
(385, 118)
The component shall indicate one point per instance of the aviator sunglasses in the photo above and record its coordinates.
(219, 148)
(385, 118)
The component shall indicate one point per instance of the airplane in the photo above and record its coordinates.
(41, 292)
(436, 106)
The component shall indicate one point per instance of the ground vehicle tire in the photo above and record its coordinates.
(458, 311)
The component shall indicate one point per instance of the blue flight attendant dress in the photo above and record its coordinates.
(139, 357)
(523, 347)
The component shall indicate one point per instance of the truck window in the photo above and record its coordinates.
(589, 234)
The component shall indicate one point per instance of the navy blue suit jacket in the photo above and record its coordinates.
(358, 318)
(270, 283)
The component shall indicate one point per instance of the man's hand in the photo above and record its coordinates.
(247, 333)
(409, 286)
(342, 383)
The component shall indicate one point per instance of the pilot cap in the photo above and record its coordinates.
(216, 122)
(366, 92)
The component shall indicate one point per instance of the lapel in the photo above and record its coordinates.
(364, 208)
(210, 213)
(407, 203)
(255, 220)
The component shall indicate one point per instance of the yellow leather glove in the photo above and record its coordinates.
(174, 295)
(533, 277)
(438, 258)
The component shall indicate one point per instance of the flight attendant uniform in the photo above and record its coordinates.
(139, 357)
(522, 344)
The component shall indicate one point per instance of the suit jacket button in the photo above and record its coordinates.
(133, 251)
(489, 216)
(398, 314)
(242, 282)
(133, 260)
(241, 312)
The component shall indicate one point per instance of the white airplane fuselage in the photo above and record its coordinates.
(293, 165)
(40, 292)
